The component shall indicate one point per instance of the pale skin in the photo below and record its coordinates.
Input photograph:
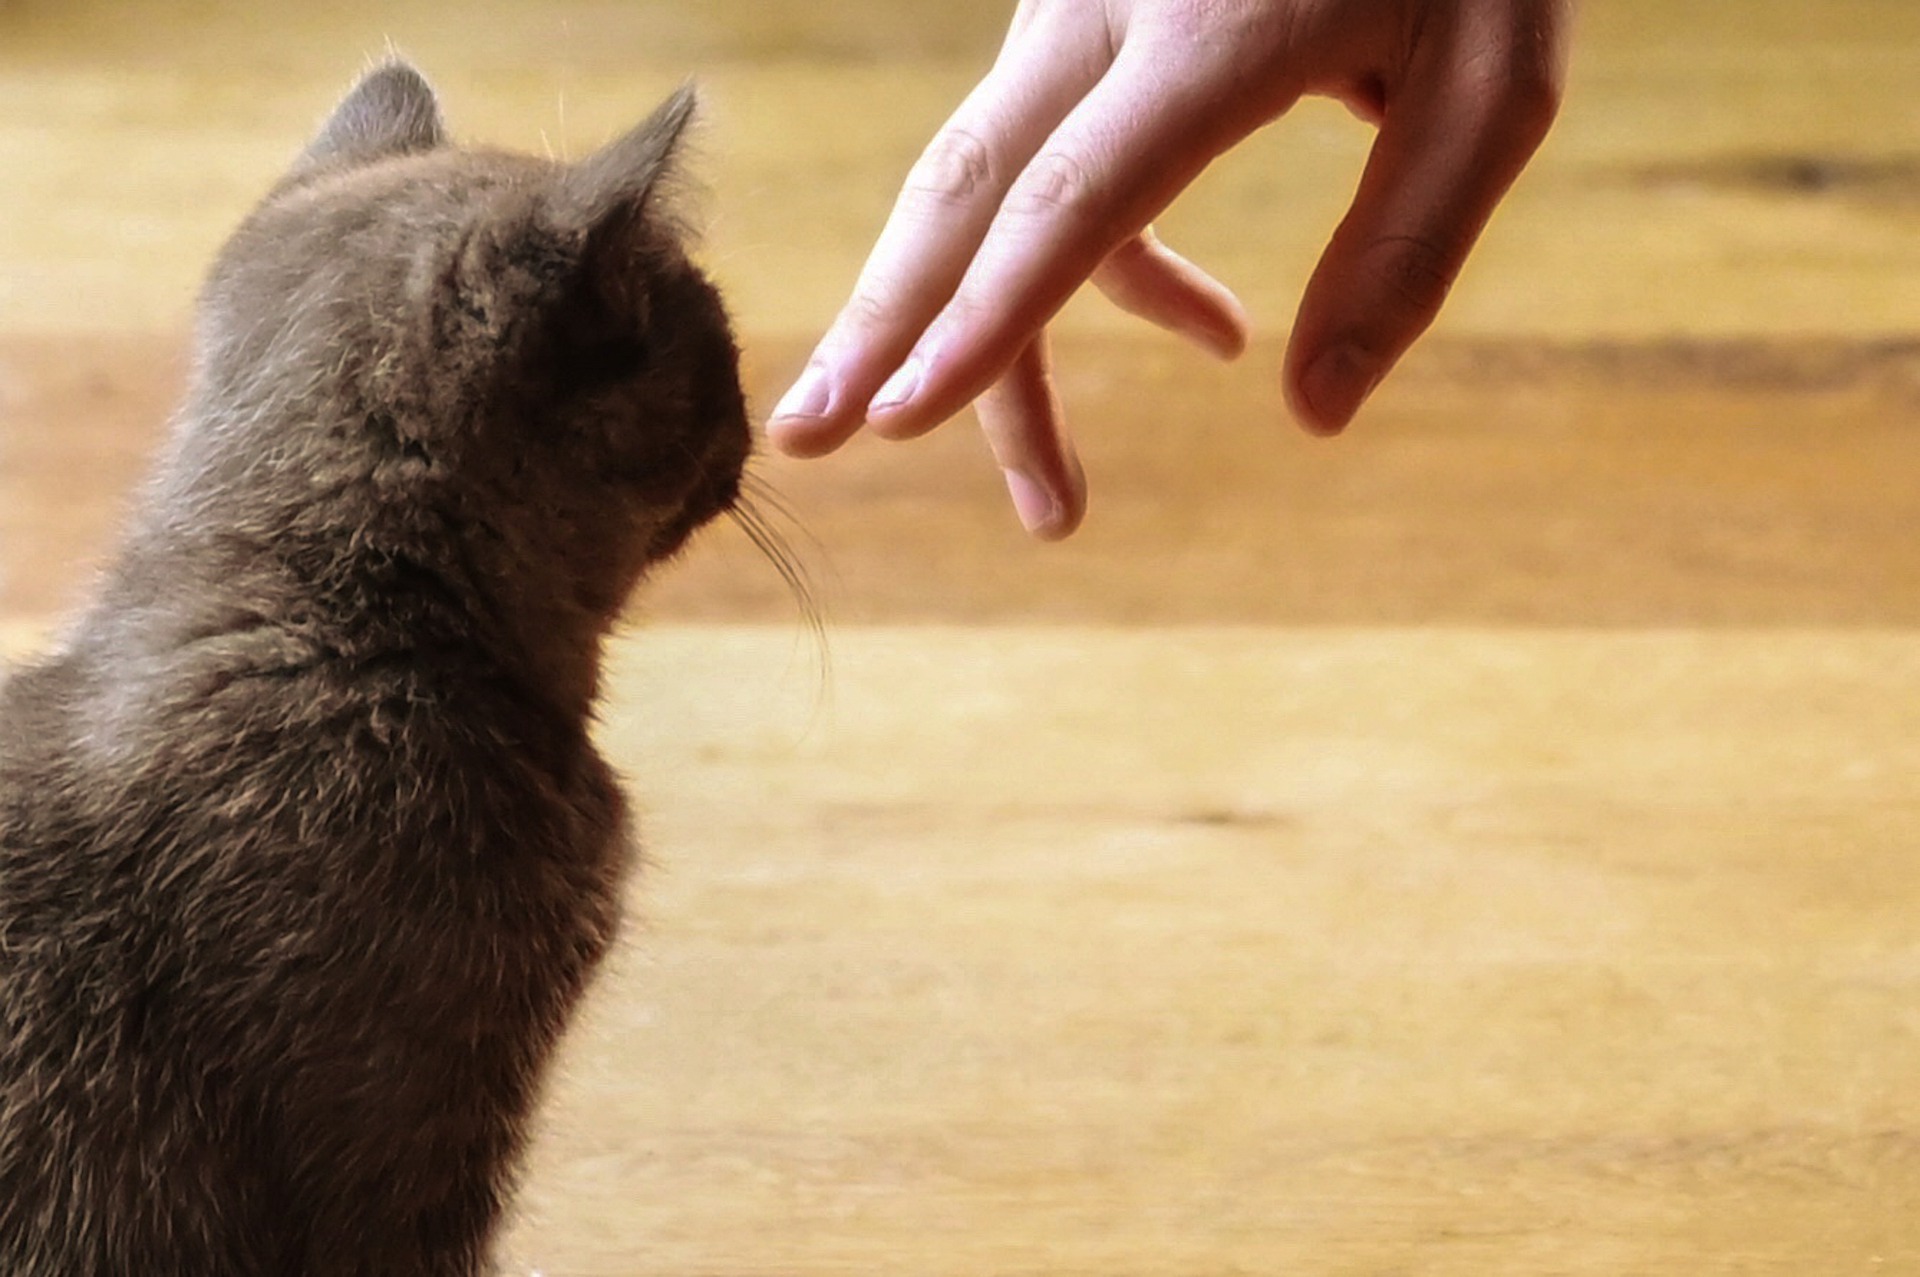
(1094, 117)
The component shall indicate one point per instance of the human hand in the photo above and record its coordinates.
(1096, 114)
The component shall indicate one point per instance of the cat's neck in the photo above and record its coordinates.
(307, 593)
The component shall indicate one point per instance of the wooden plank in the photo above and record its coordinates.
(1210, 950)
(1709, 483)
(1718, 170)
(1198, 951)
(1480, 844)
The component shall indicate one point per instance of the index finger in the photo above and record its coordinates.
(1117, 160)
(942, 214)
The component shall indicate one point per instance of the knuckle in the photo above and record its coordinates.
(1219, 24)
(956, 167)
(1520, 86)
(866, 311)
(1527, 96)
(968, 322)
(1416, 274)
(1536, 96)
(1055, 185)
(873, 317)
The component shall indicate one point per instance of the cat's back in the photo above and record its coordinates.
(40, 766)
(264, 748)
(247, 876)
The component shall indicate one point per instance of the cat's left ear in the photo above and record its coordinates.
(391, 111)
(617, 183)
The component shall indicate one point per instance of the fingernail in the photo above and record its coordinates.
(898, 388)
(1036, 507)
(809, 396)
(1336, 384)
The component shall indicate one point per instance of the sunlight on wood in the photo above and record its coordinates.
(1481, 844)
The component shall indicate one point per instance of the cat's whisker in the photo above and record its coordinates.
(766, 537)
(753, 521)
(769, 498)
(768, 540)
(765, 499)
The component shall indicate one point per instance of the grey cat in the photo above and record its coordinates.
(305, 853)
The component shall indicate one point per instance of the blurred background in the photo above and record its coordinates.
(1481, 843)
(1669, 387)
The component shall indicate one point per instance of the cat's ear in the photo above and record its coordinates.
(392, 111)
(608, 212)
(617, 182)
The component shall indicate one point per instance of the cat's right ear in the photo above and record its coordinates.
(619, 181)
(392, 111)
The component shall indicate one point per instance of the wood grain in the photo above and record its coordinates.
(1481, 844)
(1719, 169)
(1723, 482)
(1343, 951)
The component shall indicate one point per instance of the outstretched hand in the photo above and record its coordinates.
(1095, 116)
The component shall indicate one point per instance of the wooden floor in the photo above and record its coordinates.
(1486, 843)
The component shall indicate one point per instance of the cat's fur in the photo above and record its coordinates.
(305, 854)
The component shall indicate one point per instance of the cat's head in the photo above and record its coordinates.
(508, 349)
